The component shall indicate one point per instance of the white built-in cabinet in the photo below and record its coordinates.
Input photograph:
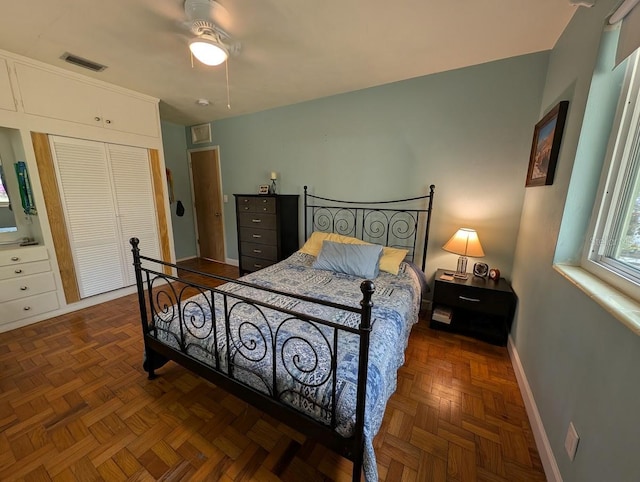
(6, 93)
(107, 198)
(52, 94)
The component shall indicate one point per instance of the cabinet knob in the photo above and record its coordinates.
(15, 258)
(26, 308)
(24, 288)
(107, 121)
(18, 271)
(97, 119)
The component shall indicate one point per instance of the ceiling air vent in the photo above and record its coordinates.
(84, 63)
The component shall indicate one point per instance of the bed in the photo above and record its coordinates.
(316, 348)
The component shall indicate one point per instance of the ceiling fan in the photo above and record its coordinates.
(211, 45)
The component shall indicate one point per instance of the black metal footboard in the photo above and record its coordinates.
(254, 347)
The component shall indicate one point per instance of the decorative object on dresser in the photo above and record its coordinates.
(464, 242)
(267, 229)
(494, 274)
(480, 270)
(27, 285)
(272, 188)
(481, 308)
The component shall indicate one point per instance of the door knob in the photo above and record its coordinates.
(217, 215)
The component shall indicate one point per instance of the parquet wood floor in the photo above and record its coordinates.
(75, 405)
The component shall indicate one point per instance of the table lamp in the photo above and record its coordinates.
(465, 243)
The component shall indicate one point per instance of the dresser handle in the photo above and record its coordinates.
(245, 200)
(257, 236)
(475, 300)
(257, 266)
(26, 308)
(24, 288)
(18, 271)
(15, 258)
(256, 220)
(257, 251)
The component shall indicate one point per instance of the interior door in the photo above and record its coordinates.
(207, 203)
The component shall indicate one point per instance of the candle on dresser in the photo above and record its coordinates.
(274, 175)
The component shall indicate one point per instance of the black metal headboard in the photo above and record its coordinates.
(396, 223)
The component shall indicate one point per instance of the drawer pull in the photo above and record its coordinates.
(24, 288)
(464, 298)
(15, 258)
(257, 265)
(256, 220)
(18, 271)
(245, 200)
(26, 308)
(257, 251)
(258, 236)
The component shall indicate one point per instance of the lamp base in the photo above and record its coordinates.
(461, 270)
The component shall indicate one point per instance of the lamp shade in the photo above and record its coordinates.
(465, 243)
(208, 50)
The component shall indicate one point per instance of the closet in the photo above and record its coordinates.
(107, 196)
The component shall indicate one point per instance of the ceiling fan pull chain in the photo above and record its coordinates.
(191, 57)
(226, 68)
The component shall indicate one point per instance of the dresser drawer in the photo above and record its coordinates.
(13, 289)
(248, 263)
(258, 220)
(11, 257)
(31, 306)
(264, 205)
(259, 236)
(245, 204)
(24, 269)
(486, 301)
(262, 251)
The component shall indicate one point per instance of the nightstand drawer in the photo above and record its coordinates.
(263, 251)
(248, 263)
(257, 220)
(260, 236)
(480, 300)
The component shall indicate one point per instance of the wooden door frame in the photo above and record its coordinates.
(193, 198)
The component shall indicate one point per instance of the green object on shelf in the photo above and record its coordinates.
(26, 194)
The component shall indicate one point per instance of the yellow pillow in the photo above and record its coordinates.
(389, 262)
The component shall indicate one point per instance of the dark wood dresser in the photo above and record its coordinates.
(267, 229)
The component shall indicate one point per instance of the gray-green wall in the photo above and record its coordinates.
(467, 131)
(176, 159)
(580, 362)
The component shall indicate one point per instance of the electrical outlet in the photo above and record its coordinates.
(571, 442)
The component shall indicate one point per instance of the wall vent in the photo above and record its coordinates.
(84, 63)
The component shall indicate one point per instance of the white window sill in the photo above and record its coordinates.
(625, 309)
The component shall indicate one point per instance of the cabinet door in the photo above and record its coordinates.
(87, 196)
(6, 93)
(128, 114)
(52, 95)
(134, 203)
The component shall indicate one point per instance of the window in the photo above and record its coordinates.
(4, 196)
(614, 251)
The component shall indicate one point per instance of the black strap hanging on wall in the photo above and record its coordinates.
(179, 209)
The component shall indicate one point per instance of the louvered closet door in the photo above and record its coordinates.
(135, 203)
(85, 186)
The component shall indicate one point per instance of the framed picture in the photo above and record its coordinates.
(201, 134)
(545, 148)
(263, 189)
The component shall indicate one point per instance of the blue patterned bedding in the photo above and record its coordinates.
(303, 376)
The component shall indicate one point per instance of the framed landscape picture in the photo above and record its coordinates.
(545, 148)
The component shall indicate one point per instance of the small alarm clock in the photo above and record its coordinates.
(480, 270)
(494, 274)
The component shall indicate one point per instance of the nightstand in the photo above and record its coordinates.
(480, 307)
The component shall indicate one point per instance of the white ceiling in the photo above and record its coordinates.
(292, 50)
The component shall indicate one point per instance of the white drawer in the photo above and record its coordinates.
(13, 289)
(10, 257)
(8, 272)
(31, 306)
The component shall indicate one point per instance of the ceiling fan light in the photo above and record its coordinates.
(208, 51)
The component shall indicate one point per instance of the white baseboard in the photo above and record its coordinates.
(542, 442)
(232, 262)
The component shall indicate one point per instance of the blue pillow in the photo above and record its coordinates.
(359, 260)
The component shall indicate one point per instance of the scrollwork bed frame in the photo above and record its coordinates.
(163, 298)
